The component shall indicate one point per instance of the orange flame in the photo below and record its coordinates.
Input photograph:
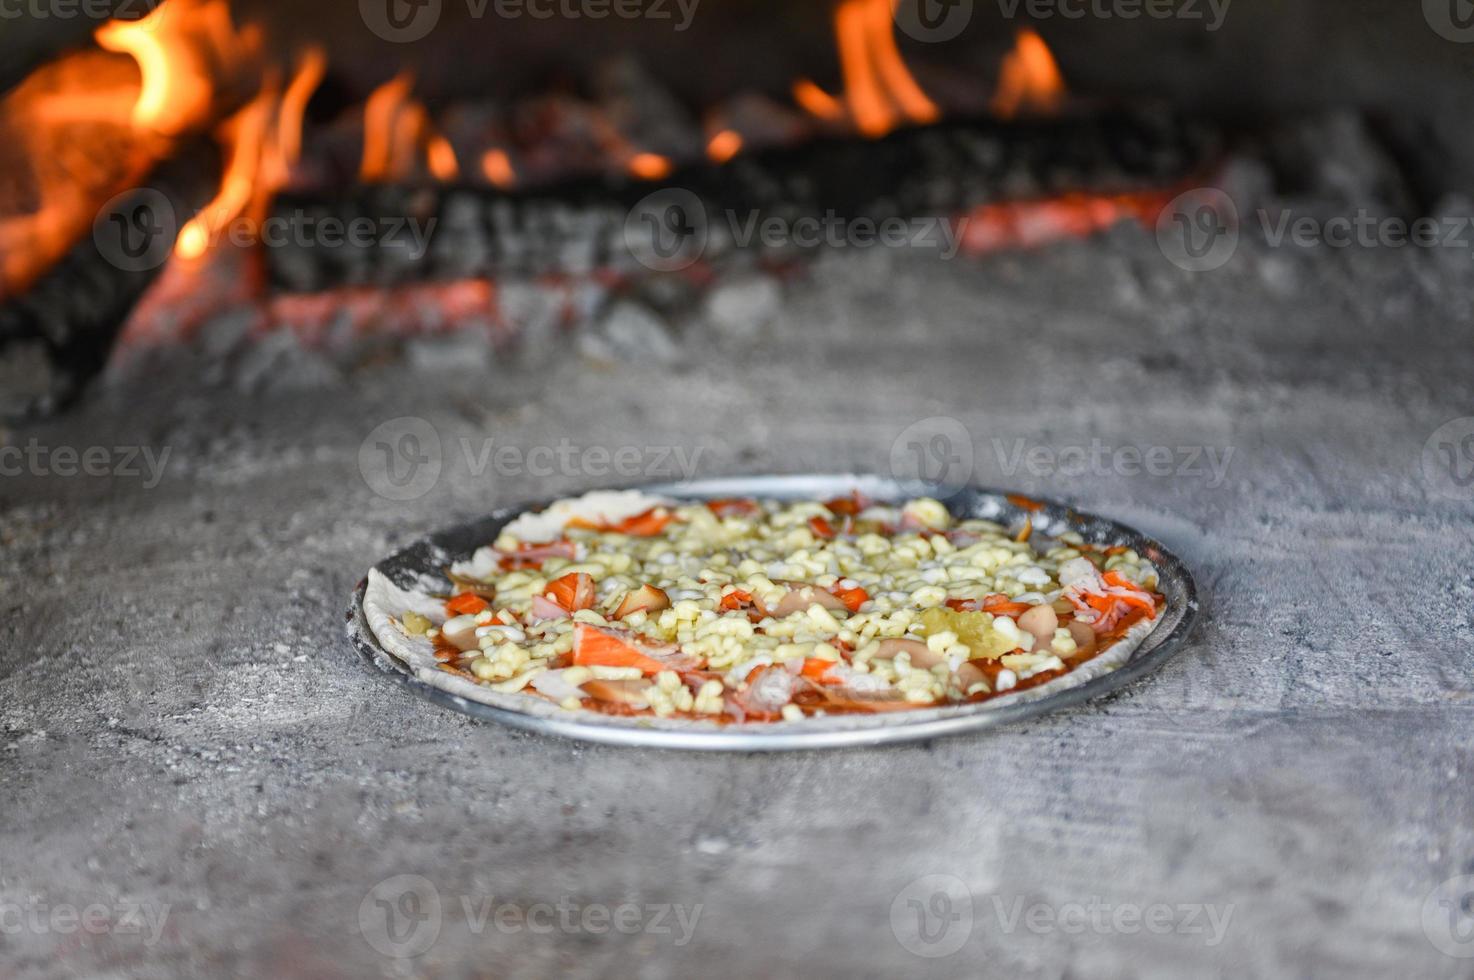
(817, 102)
(183, 49)
(1030, 79)
(265, 142)
(187, 58)
(294, 107)
(397, 131)
(879, 91)
(380, 125)
(245, 132)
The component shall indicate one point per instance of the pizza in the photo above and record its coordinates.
(750, 611)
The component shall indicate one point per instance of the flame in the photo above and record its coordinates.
(1030, 79)
(109, 106)
(380, 117)
(264, 142)
(817, 102)
(441, 157)
(879, 91)
(908, 95)
(397, 131)
(183, 49)
(649, 166)
(497, 167)
(310, 71)
(724, 146)
(245, 133)
(46, 119)
(147, 82)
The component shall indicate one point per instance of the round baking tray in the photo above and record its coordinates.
(430, 556)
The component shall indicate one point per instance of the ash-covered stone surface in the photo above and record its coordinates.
(188, 743)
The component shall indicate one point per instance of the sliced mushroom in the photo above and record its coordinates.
(630, 692)
(647, 598)
(1041, 621)
(922, 656)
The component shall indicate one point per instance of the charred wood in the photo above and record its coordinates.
(385, 235)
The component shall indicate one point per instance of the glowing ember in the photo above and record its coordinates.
(441, 157)
(1030, 80)
(879, 92)
(496, 166)
(649, 166)
(723, 146)
(1031, 224)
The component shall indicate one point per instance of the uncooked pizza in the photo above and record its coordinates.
(748, 611)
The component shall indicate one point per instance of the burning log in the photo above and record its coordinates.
(419, 233)
(64, 325)
(78, 138)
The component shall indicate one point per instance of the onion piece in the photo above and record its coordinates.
(544, 608)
